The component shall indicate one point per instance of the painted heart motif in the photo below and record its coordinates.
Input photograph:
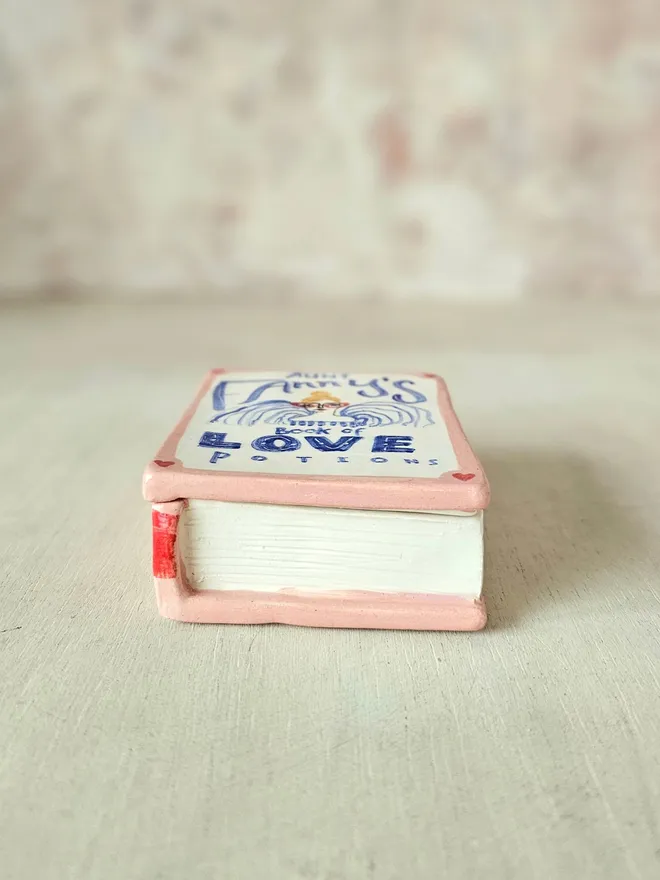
(163, 463)
(464, 477)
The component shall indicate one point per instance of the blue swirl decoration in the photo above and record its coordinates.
(364, 415)
(379, 415)
(272, 412)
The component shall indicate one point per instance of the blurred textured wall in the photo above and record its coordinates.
(463, 148)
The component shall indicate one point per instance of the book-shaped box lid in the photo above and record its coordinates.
(388, 441)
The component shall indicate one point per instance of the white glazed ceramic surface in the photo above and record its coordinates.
(368, 425)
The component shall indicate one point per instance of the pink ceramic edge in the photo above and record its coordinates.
(355, 610)
(166, 480)
(359, 609)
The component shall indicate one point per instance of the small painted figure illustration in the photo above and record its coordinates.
(370, 414)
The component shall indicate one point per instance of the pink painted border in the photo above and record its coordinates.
(363, 610)
(165, 479)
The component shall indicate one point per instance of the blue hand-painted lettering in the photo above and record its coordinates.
(324, 444)
(323, 383)
(264, 385)
(220, 390)
(210, 438)
(417, 396)
(372, 413)
(388, 443)
(373, 385)
(316, 375)
(276, 443)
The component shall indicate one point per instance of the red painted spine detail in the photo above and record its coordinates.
(164, 531)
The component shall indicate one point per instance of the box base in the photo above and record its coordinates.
(361, 610)
(354, 609)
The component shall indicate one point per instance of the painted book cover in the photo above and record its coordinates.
(325, 439)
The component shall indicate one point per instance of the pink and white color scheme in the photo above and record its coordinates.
(341, 442)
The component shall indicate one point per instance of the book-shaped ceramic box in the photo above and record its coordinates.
(320, 499)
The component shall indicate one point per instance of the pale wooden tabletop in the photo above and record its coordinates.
(133, 747)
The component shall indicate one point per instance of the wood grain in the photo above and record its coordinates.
(133, 747)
